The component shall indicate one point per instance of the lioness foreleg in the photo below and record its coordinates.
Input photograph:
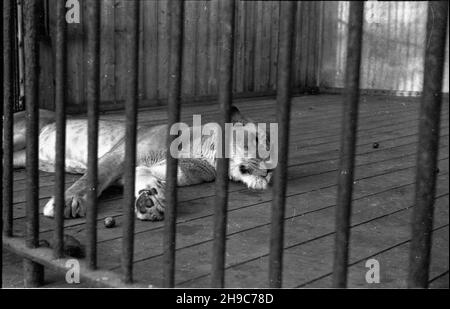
(110, 168)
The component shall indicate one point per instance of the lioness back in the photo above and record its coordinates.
(110, 133)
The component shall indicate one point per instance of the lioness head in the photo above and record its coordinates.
(246, 164)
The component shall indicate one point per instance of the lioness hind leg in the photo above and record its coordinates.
(20, 126)
(19, 141)
(19, 159)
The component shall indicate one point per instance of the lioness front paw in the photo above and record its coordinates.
(49, 208)
(74, 207)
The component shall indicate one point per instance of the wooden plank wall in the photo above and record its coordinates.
(393, 45)
(255, 57)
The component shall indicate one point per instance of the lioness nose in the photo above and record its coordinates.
(143, 202)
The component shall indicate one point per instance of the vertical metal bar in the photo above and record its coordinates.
(348, 143)
(33, 272)
(8, 105)
(175, 65)
(225, 96)
(1, 148)
(92, 98)
(20, 56)
(130, 139)
(284, 74)
(427, 153)
(60, 110)
(15, 57)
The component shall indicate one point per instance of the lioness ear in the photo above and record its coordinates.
(236, 115)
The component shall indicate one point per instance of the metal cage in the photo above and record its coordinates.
(36, 258)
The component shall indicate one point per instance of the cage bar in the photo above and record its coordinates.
(28, 247)
(33, 272)
(92, 97)
(427, 153)
(21, 61)
(1, 140)
(130, 139)
(285, 42)
(225, 96)
(175, 67)
(8, 105)
(348, 143)
(60, 111)
(15, 58)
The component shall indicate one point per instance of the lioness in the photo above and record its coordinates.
(150, 162)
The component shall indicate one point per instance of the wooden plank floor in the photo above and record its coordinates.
(383, 201)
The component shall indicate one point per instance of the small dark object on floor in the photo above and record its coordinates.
(72, 247)
(310, 108)
(375, 145)
(437, 170)
(110, 222)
